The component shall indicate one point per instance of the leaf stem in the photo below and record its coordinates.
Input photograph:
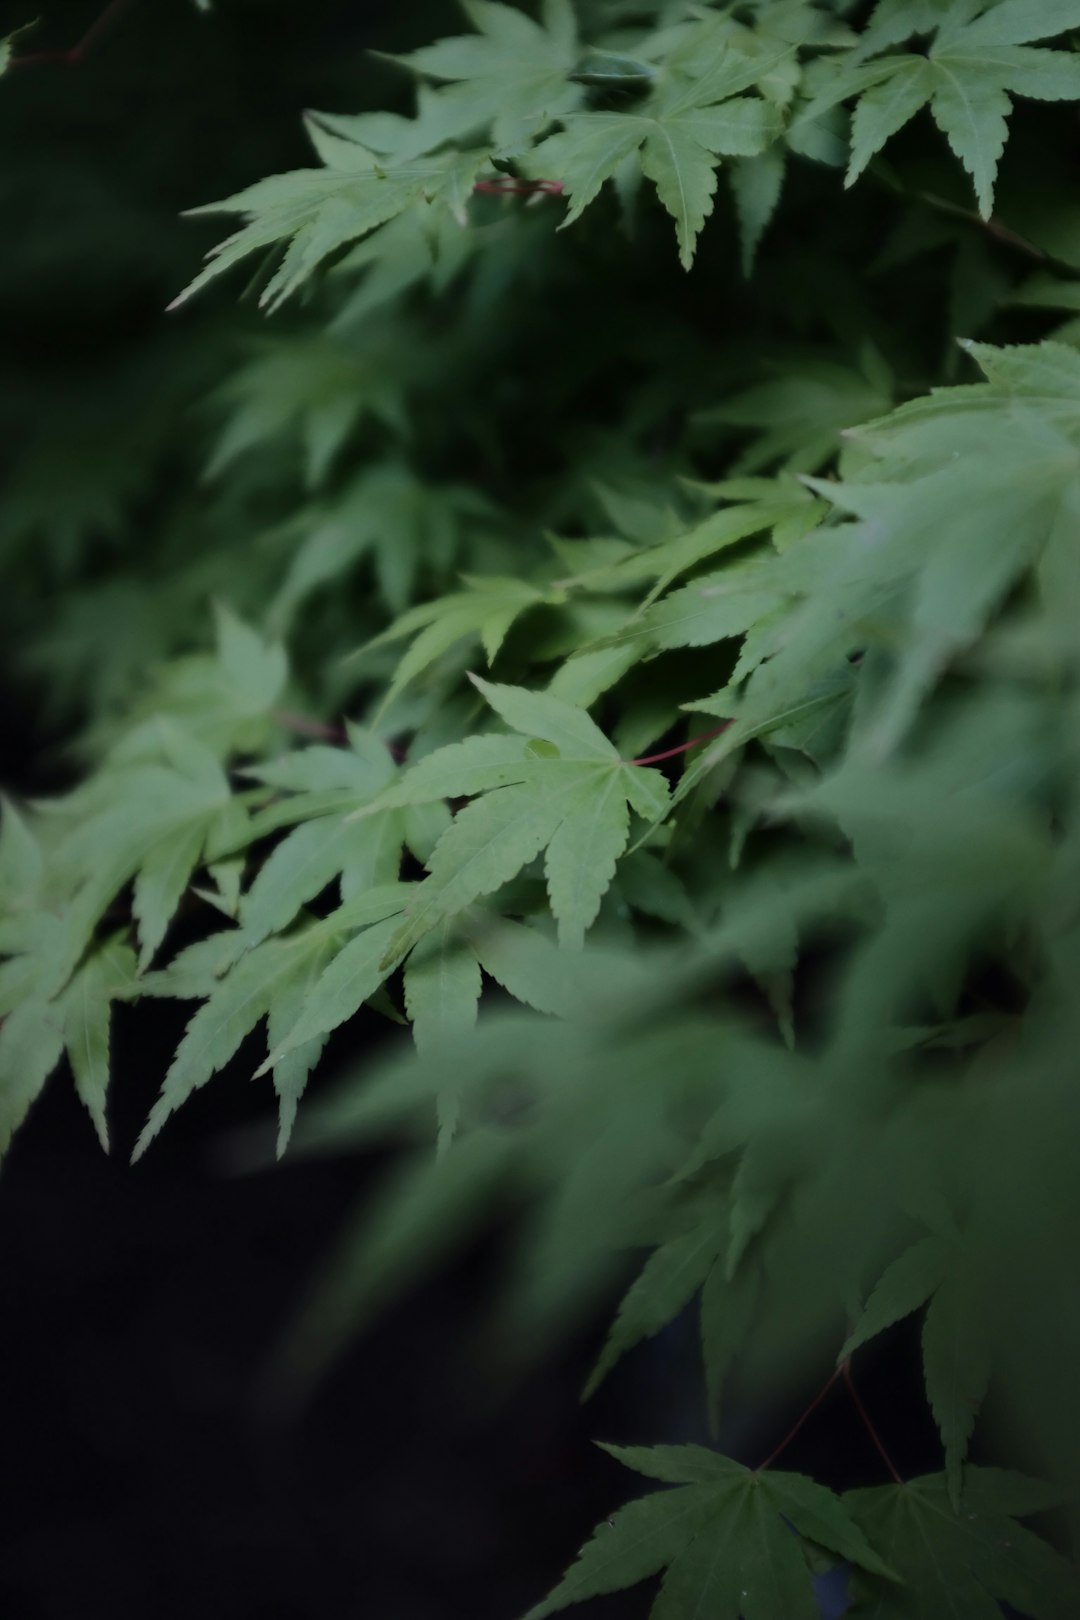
(836, 1373)
(845, 1368)
(670, 753)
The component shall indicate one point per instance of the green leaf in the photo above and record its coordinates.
(721, 1536)
(457, 771)
(6, 43)
(292, 1071)
(254, 669)
(425, 1207)
(31, 1045)
(353, 975)
(85, 1008)
(279, 971)
(486, 845)
(486, 613)
(513, 71)
(582, 854)
(527, 964)
(956, 1365)
(904, 1287)
(318, 211)
(363, 854)
(442, 988)
(756, 183)
(537, 714)
(669, 1279)
(966, 78)
(887, 107)
(680, 132)
(961, 1559)
(162, 880)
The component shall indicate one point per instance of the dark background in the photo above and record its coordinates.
(139, 1477)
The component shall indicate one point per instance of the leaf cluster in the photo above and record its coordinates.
(660, 693)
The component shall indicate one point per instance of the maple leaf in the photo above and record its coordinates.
(315, 978)
(388, 513)
(936, 1272)
(966, 1558)
(669, 1279)
(723, 1537)
(221, 700)
(977, 60)
(560, 786)
(313, 387)
(800, 414)
(39, 1031)
(486, 612)
(513, 73)
(756, 183)
(151, 818)
(325, 843)
(680, 133)
(319, 211)
(1001, 511)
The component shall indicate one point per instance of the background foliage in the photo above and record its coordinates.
(641, 657)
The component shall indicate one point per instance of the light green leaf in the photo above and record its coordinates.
(516, 72)
(292, 1071)
(583, 852)
(459, 770)
(486, 845)
(85, 1008)
(309, 858)
(680, 131)
(161, 883)
(526, 963)
(442, 988)
(885, 108)
(973, 114)
(353, 975)
(538, 714)
(31, 1045)
(255, 670)
(756, 183)
(233, 1009)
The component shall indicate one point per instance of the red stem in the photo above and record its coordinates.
(797, 1425)
(82, 47)
(867, 1424)
(670, 753)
